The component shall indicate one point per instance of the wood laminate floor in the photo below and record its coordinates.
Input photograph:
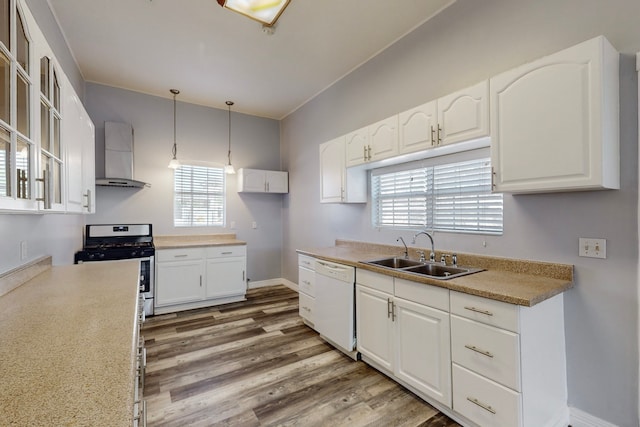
(255, 363)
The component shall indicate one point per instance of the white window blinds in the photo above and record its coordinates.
(199, 198)
(448, 197)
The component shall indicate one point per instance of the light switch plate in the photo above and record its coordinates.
(592, 247)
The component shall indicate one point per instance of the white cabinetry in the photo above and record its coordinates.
(508, 362)
(338, 184)
(226, 269)
(554, 122)
(460, 116)
(403, 329)
(262, 181)
(79, 135)
(188, 278)
(306, 288)
(374, 142)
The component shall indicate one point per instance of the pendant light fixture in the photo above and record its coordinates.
(174, 163)
(229, 167)
(265, 11)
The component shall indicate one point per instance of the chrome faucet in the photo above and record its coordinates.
(406, 251)
(432, 255)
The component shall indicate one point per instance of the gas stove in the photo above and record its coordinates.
(107, 242)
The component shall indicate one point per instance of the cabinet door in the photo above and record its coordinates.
(332, 156)
(72, 130)
(374, 327)
(554, 122)
(423, 357)
(88, 165)
(464, 115)
(417, 128)
(226, 277)
(253, 180)
(277, 181)
(179, 282)
(357, 146)
(383, 139)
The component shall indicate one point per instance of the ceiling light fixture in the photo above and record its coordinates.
(174, 163)
(229, 167)
(265, 11)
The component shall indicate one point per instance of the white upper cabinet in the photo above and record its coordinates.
(464, 115)
(374, 142)
(357, 147)
(554, 122)
(417, 128)
(338, 184)
(262, 181)
(79, 135)
(460, 116)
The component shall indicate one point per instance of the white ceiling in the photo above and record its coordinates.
(212, 54)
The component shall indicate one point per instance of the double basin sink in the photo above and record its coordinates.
(427, 269)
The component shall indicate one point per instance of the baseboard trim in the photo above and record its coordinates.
(274, 282)
(583, 419)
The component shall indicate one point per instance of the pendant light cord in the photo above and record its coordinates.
(174, 150)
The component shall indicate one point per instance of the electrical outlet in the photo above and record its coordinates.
(233, 225)
(23, 250)
(592, 247)
(254, 225)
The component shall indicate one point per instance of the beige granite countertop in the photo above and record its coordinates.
(67, 348)
(197, 240)
(513, 281)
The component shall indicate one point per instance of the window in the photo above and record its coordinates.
(437, 195)
(198, 196)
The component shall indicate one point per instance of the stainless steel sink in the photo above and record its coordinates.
(428, 269)
(394, 262)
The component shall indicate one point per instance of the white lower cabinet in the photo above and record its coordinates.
(406, 338)
(484, 362)
(199, 277)
(306, 288)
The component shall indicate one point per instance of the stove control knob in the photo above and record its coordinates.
(91, 256)
(101, 255)
(134, 254)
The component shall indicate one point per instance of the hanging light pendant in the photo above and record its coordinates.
(265, 11)
(174, 163)
(229, 167)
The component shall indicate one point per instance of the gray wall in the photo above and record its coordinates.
(202, 134)
(56, 235)
(470, 41)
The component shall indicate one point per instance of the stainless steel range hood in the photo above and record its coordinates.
(118, 157)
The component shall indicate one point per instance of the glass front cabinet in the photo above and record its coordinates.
(33, 89)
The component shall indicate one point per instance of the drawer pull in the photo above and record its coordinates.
(306, 282)
(227, 253)
(307, 309)
(477, 310)
(181, 256)
(477, 350)
(389, 308)
(482, 405)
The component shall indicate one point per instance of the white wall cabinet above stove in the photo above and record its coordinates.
(262, 181)
(554, 122)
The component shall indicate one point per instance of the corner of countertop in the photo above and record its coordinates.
(13, 278)
(195, 240)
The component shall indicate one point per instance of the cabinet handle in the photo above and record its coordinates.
(87, 195)
(369, 149)
(433, 131)
(365, 152)
(477, 310)
(439, 134)
(477, 350)
(226, 253)
(482, 405)
(243, 275)
(45, 180)
(142, 412)
(307, 309)
(389, 305)
(306, 282)
(180, 256)
(200, 280)
(493, 174)
(393, 312)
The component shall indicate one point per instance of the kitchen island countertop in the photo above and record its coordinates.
(67, 349)
(519, 282)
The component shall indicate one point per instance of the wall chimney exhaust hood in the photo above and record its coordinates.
(118, 157)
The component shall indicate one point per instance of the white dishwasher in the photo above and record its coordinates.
(334, 305)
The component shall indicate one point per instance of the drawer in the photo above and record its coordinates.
(226, 251)
(491, 312)
(373, 280)
(163, 255)
(431, 296)
(484, 402)
(491, 352)
(307, 262)
(306, 306)
(307, 281)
